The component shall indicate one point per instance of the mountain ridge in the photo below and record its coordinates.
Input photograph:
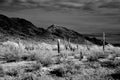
(19, 26)
(23, 28)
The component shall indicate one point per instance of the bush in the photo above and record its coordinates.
(11, 57)
(44, 58)
(59, 72)
(116, 62)
(12, 72)
(94, 56)
(46, 61)
(66, 69)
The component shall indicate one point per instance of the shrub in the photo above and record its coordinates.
(66, 69)
(116, 62)
(27, 76)
(11, 57)
(108, 64)
(94, 56)
(46, 61)
(44, 58)
(59, 72)
(45, 77)
(12, 72)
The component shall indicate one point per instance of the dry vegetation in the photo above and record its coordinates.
(41, 61)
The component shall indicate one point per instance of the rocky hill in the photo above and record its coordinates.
(21, 27)
(72, 35)
(66, 34)
(18, 27)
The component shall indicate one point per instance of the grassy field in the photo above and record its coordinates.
(41, 61)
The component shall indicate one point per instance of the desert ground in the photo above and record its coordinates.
(23, 60)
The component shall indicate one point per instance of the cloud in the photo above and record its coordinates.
(1, 1)
(28, 3)
(60, 3)
(22, 1)
(72, 4)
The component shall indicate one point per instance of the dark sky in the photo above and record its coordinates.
(68, 13)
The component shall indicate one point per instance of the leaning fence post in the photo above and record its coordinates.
(58, 45)
(103, 41)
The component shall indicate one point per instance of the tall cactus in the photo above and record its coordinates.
(86, 43)
(66, 46)
(58, 45)
(69, 44)
(103, 41)
(81, 56)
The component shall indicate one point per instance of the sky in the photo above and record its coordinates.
(83, 16)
